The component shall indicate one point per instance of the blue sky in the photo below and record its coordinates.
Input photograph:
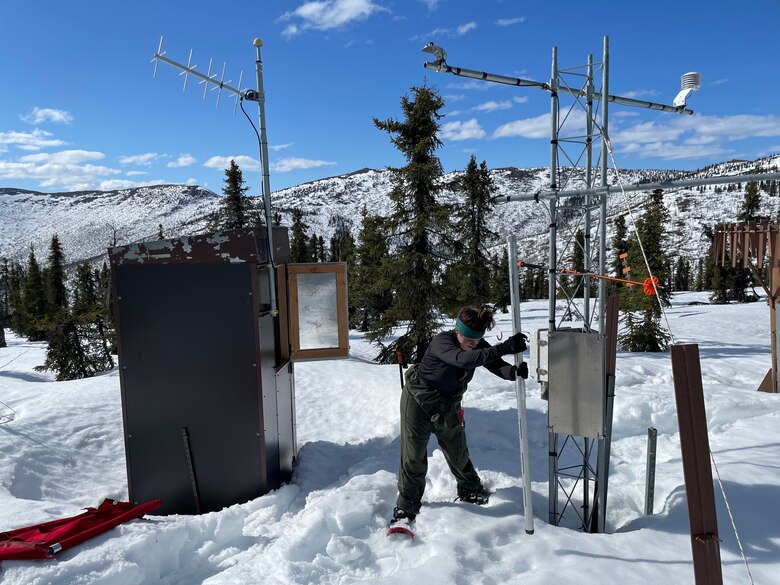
(81, 110)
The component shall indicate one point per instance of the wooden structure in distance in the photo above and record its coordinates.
(755, 245)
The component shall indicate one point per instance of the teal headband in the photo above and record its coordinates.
(467, 331)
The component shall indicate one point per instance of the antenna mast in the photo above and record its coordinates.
(251, 95)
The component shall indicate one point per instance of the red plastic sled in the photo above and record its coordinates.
(43, 541)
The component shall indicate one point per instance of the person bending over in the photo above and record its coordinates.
(431, 404)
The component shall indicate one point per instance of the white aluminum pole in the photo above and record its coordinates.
(525, 460)
(266, 177)
(552, 288)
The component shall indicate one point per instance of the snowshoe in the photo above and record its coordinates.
(402, 523)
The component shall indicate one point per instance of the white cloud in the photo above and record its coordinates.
(480, 85)
(64, 157)
(143, 160)
(469, 129)
(446, 32)
(41, 115)
(693, 136)
(191, 181)
(538, 127)
(431, 4)
(35, 140)
(246, 163)
(327, 14)
(278, 147)
(135, 173)
(59, 170)
(493, 106)
(283, 165)
(638, 93)
(184, 160)
(464, 28)
(520, 99)
(510, 21)
(286, 165)
(672, 151)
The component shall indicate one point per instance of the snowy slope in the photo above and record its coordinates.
(88, 222)
(64, 451)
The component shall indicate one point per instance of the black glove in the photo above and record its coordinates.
(512, 372)
(523, 370)
(515, 344)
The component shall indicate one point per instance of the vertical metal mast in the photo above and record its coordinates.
(266, 176)
(587, 256)
(602, 465)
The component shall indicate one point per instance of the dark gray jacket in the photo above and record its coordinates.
(448, 368)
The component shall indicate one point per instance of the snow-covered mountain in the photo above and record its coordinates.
(88, 222)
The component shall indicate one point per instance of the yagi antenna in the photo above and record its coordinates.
(258, 96)
(208, 80)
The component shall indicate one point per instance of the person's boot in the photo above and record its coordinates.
(478, 495)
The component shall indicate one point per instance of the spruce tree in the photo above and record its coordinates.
(416, 222)
(5, 306)
(619, 246)
(370, 289)
(312, 250)
(34, 304)
(342, 244)
(471, 268)
(16, 278)
(499, 282)
(299, 240)
(642, 329)
(56, 293)
(236, 207)
(751, 203)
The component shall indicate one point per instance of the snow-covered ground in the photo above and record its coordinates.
(64, 451)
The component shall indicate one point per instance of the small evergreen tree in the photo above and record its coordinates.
(342, 244)
(467, 279)
(299, 240)
(751, 203)
(312, 250)
(370, 290)
(643, 330)
(16, 278)
(56, 293)
(499, 281)
(33, 322)
(236, 207)
(619, 246)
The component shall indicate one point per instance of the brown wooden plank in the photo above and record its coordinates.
(694, 444)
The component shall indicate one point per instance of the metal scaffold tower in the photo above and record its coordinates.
(574, 359)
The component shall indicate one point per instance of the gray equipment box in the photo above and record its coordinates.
(206, 381)
(576, 375)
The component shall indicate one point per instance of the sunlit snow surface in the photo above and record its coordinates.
(64, 451)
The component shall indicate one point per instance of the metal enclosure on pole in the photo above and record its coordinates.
(525, 459)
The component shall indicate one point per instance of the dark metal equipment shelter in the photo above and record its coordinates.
(206, 377)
